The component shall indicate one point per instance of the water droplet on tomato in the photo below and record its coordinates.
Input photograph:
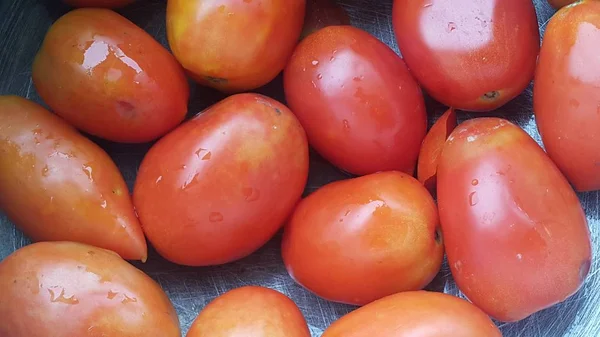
(473, 199)
(315, 62)
(251, 194)
(474, 182)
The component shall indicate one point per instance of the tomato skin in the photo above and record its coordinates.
(109, 78)
(467, 54)
(220, 186)
(566, 95)
(359, 105)
(99, 3)
(560, 3)
(58, 185)
(256, 311)
(321, 14)
(72, 289)
(234, 45)
(516, 235)
(358, 240)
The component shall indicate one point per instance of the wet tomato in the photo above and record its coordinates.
(99, 3)
(560, 3)
(567, 96)
(361, 108)
(358, 240)
(321, 14)
(220, 186)
(109, 78)
(58, 185)
(470, 55)
(516, 236)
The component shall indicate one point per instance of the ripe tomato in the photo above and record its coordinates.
(234, 45)
(251, 312)
(321, 14)
(99, 3)
(560, 3)
(567, 96)
(108, 77)
(72, 289)
(220, 186)
(58, 185)
(358, 240)
(516, 236)
(415, 313)
(470, 55)
(360, 106)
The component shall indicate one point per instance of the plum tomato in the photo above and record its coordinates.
(250, 312)
(234, 45)
(470, 55)
(221, 185)
(58, 185)
(566, 95)
(109, 78)
(560, 3)
(359, 105)
(72, 289)
(361, 239)
(321, 14)
(99, 3)
(516, 236)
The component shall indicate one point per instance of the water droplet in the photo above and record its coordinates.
(45, 171)
(320, 76)
(251, 194)
(215, 217)
(303, 69)
(203, 154)
(159, 179)
(37, 130)
(473, 199)
(315, 62)
(519, 257)
(111, 294)
(332, 58)
(347, 212)
(458, 265)
(128, 299)
(427, 5)
(104, 204)
(346, 124)
(356, 79)
(61, 298)
(314, 84)
(451, 26)
(474, 182)
(88, 172)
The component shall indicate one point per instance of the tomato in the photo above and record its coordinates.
(321, 14)
(99, 3)
(58, 185)
(251, 312)
(358, 240)
(567, 96)
(470, 55)
(415, 313)
(516, 236)
(221, 185)
(108, 77)
(560, 3)
(72, 289)
(361, 108)
(234, 45)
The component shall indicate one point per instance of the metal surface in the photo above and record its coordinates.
(23, 24)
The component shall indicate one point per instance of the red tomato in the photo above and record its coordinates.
(108, 77)
(358, 240)
(221, 185)
(321, 14)
(360, 106)
(59, 186)
(567, 95)
(516, 236)
(560, 3)
(99, 3)
(470, 55)
(250, 312)
(234, 45)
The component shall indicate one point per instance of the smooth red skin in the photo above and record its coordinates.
(415, 314)
(222, 184)
(109, 78)
(99, 3)
(560, 3)
(250, 312)
(60, 186)
(321, 14)
(234, 45)
(358, 240)
(459, 50)
(567, 95)
(516, 236)
(359, 105)
(71, 289)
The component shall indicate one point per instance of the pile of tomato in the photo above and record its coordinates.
(216, 187)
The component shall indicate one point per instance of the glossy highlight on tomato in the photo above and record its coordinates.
(99, 3)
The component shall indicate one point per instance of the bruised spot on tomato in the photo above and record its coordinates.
(126, 109)
(491, 96)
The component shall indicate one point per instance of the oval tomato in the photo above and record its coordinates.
(221, 185)
(358, 240)
(567, 96)
(516, 236)
(99, 3)
(359, 105)
(57, 185)
(560, 3)
(71, 289)
(108, 77)
(470, 55)
(321, 14)
(234, 45)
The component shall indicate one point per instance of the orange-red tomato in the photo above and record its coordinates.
(560, 3)
(516, 236)
(59, 186)
(234, 45)
(567, 95)
(358, 240)
(99, 3)
(250, 312)
(361, 108)
(415, 314)
(470, 55)
(108, 77)
(321, 14)
(220, 186)
(72, 289)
